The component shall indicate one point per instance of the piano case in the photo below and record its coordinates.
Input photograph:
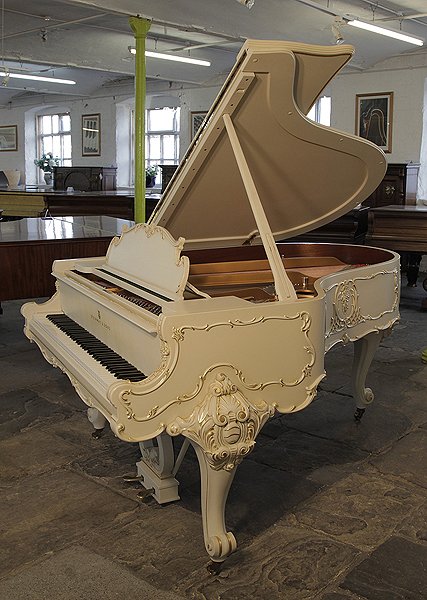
(199, 323)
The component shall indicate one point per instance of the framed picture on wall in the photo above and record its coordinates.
(8, 138)
(374, 118)
(197, 119)
(91, 135)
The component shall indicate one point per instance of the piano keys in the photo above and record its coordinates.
(198, 323)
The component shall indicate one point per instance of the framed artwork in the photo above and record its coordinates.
(8, 138)
(91, 135)
(197, 119)
(374, 118)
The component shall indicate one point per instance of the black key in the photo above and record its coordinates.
(112, 361)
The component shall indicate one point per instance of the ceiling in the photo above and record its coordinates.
(88, 40)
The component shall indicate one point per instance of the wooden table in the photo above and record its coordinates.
(29, 246)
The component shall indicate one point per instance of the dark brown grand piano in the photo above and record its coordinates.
(198, 323)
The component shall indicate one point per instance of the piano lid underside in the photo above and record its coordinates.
(305, 174)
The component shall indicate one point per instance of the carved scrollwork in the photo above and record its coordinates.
(345, 308)
(164, 370)
(225, 424)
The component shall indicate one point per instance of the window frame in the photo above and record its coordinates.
(62, 133)
(151, 133)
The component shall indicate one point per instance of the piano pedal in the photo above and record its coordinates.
(214, 568)
(359, 414)
(97, 433)
(144, 493)
(132, 478)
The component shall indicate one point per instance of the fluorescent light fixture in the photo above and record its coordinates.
(184, 59)
(36, 78)
(388, 32)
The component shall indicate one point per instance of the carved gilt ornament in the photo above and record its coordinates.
(178, 334)
(225, 424)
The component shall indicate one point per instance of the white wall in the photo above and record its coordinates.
(114, 109)
(422, 180)
(405, 77)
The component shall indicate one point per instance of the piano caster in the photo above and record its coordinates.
(214, 568)
(359, 414)
(97, 433)
(144, 493)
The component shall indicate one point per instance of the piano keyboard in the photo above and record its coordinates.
(113, 362)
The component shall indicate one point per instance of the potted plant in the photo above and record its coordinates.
(150, 175)
(46, 164)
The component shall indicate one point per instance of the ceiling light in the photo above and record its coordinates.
(388, 32)
(247, 3)
(37, 78)
(184, 59)
(337, 33)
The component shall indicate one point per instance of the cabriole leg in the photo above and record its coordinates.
(215, 485)
(364, 350)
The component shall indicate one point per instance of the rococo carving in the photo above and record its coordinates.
(346, 312)
(165, 369)
(225, 424)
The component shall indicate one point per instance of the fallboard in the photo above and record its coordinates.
(112, 325)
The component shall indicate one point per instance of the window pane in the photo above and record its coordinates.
(46, 124)
(66, 146)
(55, 123)
(66, 162)
(325, 110)
(56, 146)
(168, 147)
(154, 146)
(65, 123)
(46, 144)
(312, 114)
(161, 120)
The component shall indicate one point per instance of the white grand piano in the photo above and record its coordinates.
(199, 323)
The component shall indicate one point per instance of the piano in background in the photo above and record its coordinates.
(198, 323)
(29, 246)
(402, 229)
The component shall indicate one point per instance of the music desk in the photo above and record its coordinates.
(29, 246)
(402, 229)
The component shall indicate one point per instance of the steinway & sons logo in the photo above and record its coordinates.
(99, 320)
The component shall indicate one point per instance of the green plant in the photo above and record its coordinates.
(47, 162)
(151, 171)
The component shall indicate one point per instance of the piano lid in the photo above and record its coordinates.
(302, 174)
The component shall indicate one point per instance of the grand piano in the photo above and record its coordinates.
(198, 323)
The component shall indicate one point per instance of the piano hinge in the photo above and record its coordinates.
(250, 239)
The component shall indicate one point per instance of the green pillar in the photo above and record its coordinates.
(140, 28)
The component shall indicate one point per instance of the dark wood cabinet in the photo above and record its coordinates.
(392, 189)
(85, 179)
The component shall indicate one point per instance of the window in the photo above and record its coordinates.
(321, 111)
(54, 135)
(162, 136)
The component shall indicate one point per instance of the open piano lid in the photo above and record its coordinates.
(304, 174)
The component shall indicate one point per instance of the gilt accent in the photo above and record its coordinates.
(225, 424)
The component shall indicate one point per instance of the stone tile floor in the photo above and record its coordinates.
(325, 508)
